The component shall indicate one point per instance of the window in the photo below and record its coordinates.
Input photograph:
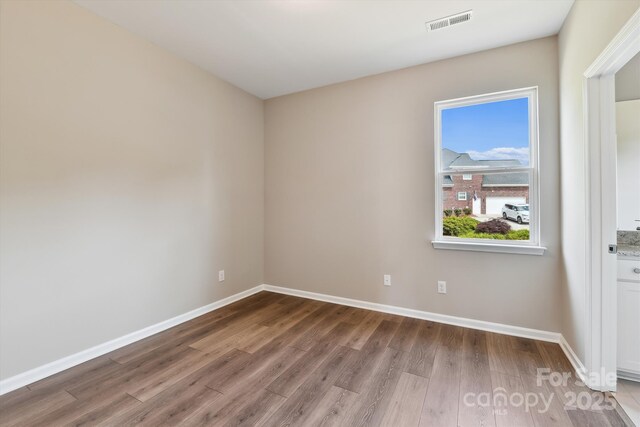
(487, 151)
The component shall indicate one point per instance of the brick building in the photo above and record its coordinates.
(482, 193)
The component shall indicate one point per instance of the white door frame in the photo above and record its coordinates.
(600, 198)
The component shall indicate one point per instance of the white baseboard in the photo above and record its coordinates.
(36, 374)
(574, 360)
(425, 315)
(627, 375)
(482, 325)
(59, 365)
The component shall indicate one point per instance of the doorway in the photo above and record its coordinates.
(477, 205)
(601, 201)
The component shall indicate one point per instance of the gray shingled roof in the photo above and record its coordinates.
(448, 156)
(499, 163)
(463, 160)
(506, 179)
(453, 160)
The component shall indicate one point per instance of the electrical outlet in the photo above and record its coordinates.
(221, 276)
(387, 280)
(442, 287)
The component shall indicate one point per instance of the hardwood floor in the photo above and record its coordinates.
(273, 360)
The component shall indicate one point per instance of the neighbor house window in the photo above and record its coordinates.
(487, 173)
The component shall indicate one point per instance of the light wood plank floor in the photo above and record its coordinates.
(274, 360)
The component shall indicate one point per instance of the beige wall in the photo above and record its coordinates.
(128, 179)
(580, 42)
(349, 191)
(628, 80)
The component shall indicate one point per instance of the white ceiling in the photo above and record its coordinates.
(274, 47)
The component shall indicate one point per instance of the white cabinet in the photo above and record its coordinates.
(629, 318)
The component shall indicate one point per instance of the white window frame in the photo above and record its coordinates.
(467, 177)
(530, 247)
(464, 199)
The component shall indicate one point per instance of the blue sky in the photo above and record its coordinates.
(496, 130)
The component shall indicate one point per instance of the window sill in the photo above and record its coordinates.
(489, 247)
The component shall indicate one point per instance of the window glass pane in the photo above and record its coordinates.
(496, 206)
(493, 134)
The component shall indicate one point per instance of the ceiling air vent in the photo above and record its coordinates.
(448, 21)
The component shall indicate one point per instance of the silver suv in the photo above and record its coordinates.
(519, 212)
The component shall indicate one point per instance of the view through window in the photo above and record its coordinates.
(487, 168)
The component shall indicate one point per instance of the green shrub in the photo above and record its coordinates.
(476, 235)
(466, 211)
(518, 235)
(455, 226)
(457, 211)
(448, 212)
(512, 235)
